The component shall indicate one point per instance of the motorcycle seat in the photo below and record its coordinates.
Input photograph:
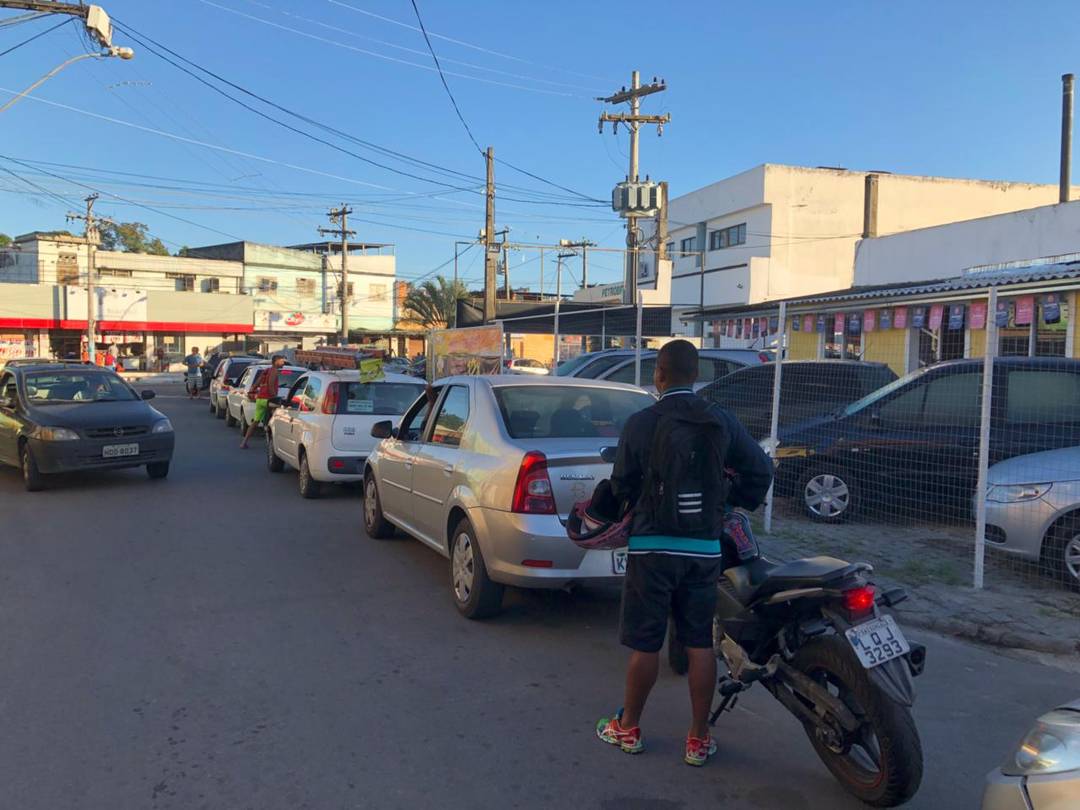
(806, 573)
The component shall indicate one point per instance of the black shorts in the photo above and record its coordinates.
(657, 585)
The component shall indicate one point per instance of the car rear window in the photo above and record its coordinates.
(379, 398)
(235, 369)
(563, 412)
(287, 376)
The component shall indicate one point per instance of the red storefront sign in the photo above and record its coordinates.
(977, 315)
(936, 313)
(1025, 310)
(869, 320)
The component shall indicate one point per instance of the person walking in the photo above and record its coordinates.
(194, 363)
(682, 463)
(266, 391)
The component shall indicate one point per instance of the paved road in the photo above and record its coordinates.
(214, 641)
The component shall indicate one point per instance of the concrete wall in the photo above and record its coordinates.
(947, 250)
(165, 306)
(29, 301)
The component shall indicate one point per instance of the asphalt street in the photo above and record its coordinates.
(215, 641)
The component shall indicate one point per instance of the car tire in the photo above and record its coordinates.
(475, 595)
(375, 523)
(828, 494)
(33, 479)
(213, 410)
(1061, 552)
(158, 470)
(309, 487)
(243, 422)
(273, 462)
(219, 412)
(230, 420)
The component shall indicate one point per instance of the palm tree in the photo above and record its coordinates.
(434, 303)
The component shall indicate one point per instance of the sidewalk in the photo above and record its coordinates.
(1017, 608)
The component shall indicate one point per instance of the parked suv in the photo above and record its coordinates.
(227, 375)
(808, 388)
(916, 441)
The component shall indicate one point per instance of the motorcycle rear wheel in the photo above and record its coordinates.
(883, 764)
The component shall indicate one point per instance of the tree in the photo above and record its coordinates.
(434, 303)
(5, 240)
(131, 237)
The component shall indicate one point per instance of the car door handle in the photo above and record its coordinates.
(408, 465)
(449, 468)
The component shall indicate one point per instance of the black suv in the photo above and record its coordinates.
(808, 388)
(914, 444)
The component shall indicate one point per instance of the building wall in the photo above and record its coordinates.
(886, 346)
(802, 345)
(372, 276)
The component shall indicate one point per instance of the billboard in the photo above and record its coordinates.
(471, 350)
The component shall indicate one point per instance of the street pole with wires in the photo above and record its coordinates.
(340, 216)
(491, 255)
(93, 238)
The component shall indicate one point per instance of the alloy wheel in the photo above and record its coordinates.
(827, 495)
(369, 502)
(1070, 556)
(463, 567)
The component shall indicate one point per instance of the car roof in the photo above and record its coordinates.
(52, 366)
(828, 363)
(505, 380)
(353, 375)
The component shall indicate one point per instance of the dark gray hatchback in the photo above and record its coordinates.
(61, 418)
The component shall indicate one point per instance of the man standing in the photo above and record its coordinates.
(682, 463)
(266, 391)
(194, 363)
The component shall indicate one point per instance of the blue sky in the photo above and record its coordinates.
(960, 89)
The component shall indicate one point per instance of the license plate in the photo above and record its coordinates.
(119, 450)
(618, 562)
(877, 641)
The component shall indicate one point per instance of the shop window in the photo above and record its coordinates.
(305, 287)
(1049, 338)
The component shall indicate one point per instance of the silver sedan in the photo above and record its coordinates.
(1033, 510)
(486, 472)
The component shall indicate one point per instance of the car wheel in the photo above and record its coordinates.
(377, 526)
(33, 480)
(219, 412)
(243, 424)
(158, 470)
(828, 494)
(273, 463)
(475, 595)
(309, 487)
(1061, 552)
(212, 408)
(230, 420)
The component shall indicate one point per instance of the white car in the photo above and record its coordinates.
(323, 429)
(225, 377)
(523, 365)
(240, 400)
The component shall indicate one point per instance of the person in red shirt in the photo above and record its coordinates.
(266, 390)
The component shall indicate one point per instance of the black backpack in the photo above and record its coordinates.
(685, 486)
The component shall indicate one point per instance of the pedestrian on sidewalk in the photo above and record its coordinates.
(266, 391)
(194, 363)
(682, 462)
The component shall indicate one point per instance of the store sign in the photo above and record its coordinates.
(1025, 310)
(937, 312)
(14, 346)
(869, 320)
(918, 317)
(977, 316)
(1051, 310)
(268, 320)
(900, 318)
(885, 320)
(956, 316)
(294, 319)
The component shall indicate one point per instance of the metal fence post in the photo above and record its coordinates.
(984, 436)
(637, 342)
(774, 418)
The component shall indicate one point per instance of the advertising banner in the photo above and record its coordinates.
(1051, 310)
(821, 323)
(900, 318)
(1025, 310)
(869, 320)
(854, 323)
(977, 317)
(885, 320)
(956, 316)
(808, 324)
(473, 350)
(937, 312)
(1001, 316)
(918, 317)
(796, 323)
(838, 321)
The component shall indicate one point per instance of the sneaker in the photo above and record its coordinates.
(698, 750)
(628, 739)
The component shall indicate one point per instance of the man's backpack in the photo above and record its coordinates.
(685, 486)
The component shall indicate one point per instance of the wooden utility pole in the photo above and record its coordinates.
(93, 239)
(633, 122)
(491, 255)
(340, 216)
(506, 270)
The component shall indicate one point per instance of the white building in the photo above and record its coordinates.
(779, 231)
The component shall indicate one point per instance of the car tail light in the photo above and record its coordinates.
(764, 357)
(858, 601)
(330, 401)
(532, 492)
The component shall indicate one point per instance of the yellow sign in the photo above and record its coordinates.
(371, 369)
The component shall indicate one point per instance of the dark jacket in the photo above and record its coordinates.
(753, 471)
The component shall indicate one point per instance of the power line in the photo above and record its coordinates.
(37, 36)
(442, 76)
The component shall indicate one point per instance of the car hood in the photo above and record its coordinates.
(1048, 466)
(95, 414)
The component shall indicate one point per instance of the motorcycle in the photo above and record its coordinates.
(812, 632)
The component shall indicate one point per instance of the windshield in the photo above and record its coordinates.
(874, 396)
(84, 386)
(380, 398)
(567, 411)
(567, 367)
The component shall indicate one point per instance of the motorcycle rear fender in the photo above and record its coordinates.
(893, 677)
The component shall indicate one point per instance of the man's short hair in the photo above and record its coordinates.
(679, 359)
(277, 357)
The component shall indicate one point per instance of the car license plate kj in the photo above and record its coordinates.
(618, 562)
(119, 450)
(877, 641)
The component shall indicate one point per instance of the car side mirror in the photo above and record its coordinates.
(148, 394)
(383, 429)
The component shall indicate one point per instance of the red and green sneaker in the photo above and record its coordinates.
(610, 731)
(699, 749)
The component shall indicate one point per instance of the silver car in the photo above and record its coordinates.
(618, 365)
(1033, 510)
(1044, 771)
(486, 472)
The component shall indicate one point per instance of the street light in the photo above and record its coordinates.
(111, 51)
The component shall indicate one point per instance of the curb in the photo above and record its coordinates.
(992, 636)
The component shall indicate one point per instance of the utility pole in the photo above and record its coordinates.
(633, 122)
(491, 256)
(97, 22)
(340, 216)
(93, 239)
(662, 228)
(506, 269)
(558, 300)
(582, 245)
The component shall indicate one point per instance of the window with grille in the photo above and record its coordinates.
(185, 282)
(266, 284)
(67, 269)
(107, 273)
(305, 286)
(212, 284)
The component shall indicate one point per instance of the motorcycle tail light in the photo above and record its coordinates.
(859, 600)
